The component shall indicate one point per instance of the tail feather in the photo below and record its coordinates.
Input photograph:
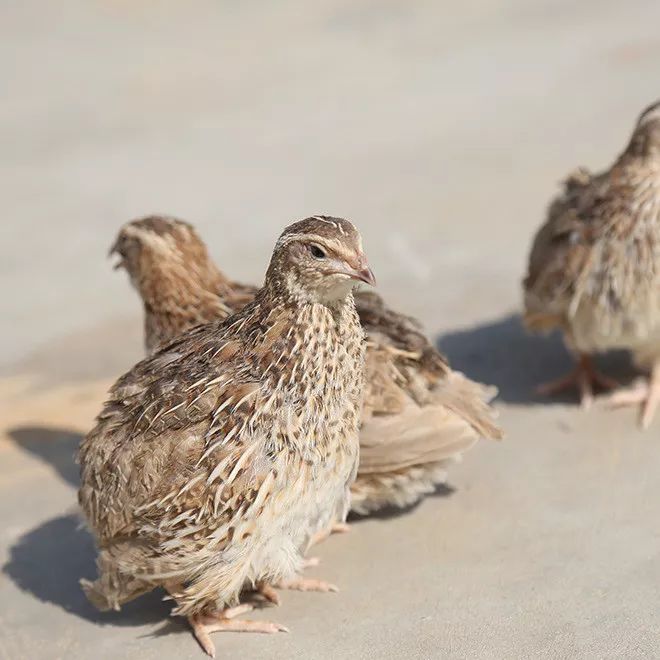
(456, 418)
(113, 588)
(405, 456)
(372, 492)
(470, 401)
(414, 437)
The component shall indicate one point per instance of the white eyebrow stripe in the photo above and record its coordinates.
(332, 223)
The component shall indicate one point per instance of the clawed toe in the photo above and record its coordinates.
(269, 593)
(335, 528)
(584, 377)
(308, 584)
(645, 394)
(205, 624)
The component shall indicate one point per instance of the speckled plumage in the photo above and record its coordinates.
(417, 414)
(180, 291)
(218, 458)
(594, 268)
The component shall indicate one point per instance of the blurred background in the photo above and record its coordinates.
(442, 130)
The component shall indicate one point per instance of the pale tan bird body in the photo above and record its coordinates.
(418, 415)
(594, 269)
(217, 459)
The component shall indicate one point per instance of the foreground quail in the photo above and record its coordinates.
(417, 415)
(594, 268)
(217, 459)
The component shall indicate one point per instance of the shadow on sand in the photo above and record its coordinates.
(49, 560)
(54, 446)
(504, 354)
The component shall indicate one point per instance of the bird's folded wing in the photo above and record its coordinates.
(162, 441)
(562, 247)
(458, 416)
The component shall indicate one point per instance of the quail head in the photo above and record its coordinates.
(594, 268)
(170, 268)
(217, 459)
(418, 415)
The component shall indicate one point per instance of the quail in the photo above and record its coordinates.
(216, 459)
(178, 283)
(594, 268)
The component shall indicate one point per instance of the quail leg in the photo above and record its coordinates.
(307, 584)
(335, 528)
(205, 624)
(647, 394)
(269, 591)
(584, 376)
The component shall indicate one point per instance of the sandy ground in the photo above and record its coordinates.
(441, 129)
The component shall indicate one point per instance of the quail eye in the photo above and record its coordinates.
(317, 252)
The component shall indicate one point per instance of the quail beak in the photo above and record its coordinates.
(363, 273)
(111, 252)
